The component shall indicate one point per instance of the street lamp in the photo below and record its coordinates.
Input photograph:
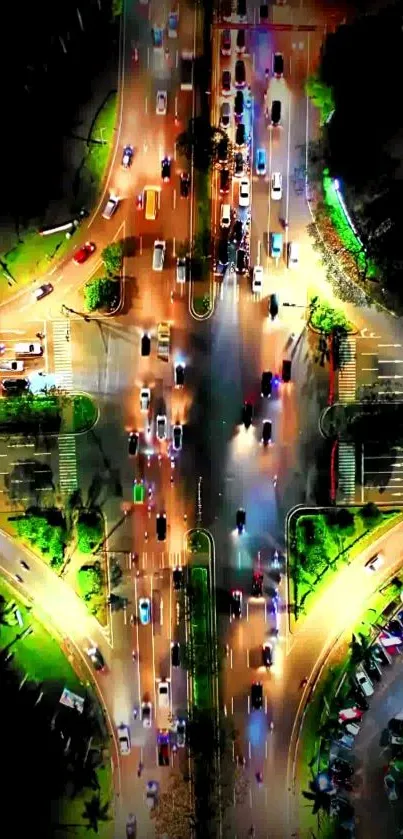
(67, 309)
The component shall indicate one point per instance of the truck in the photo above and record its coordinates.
(163, 340)
(186, 70)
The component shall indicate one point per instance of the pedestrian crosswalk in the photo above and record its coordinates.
(63, 372)
(347, 380)
(346, 473)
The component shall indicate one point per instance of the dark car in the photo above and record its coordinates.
(224, 180)
(226, 82)
(395, 628)
(257, 584)
(241, 261)
(223, 252)
(179, 375)
(226, 42)
(178, 578)
(240, 135)
(267, 654)
(222, 150)
(241, 8)
(175, 654)
(345, 769)
(15, 386)
(256, 696)
(166, 169)
(286, 370)
(184, 185)
(247, 414)
(273, 306)
(238, 104)
(266, 432)
(145, 344)
(236, 604)
(240, 520)
(266, 383)
(238, 164)
(275, 114)
(278, 65)
(133, 443)
(237, 232)
(264, 12)
(161, 527)
(240, 40)
(97, 658)
(240, 73)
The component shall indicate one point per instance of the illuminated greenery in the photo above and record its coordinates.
(89, 580)
(46, 531)
(342, 227)
(99, 147)
(85, 413)
(102, 293)
(112, 257)
(89, 530)
(321, 95)
(327, 319)
(49, 412)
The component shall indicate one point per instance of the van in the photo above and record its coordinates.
(151, 204)
(225, 215)
(158, 255)
(292, 254)
(28, 349)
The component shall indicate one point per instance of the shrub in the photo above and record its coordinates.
(89, 530)
(48, 536)
(101, 293)
(89, 580)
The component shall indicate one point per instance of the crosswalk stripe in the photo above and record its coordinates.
(347, 379)
(63, 372)
(346, 472)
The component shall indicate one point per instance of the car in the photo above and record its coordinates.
(146, 714)
(15, 386)
(266, 432)
(223, 257)
(157, 35)
(184, 185)
(276, 245)
(374, 563)
(175, 654)
(145, 344)
(240, 135)
(238, 104)
(261, 162)
(151, 794)
(18, 578)
(97, 659)
(276, 190)
(256, 696)
(166, 169)
(247, 414)
(222, 150)
(83, 253)
(178, 578)
(241, 263)
(177, 437)
(286, 370)
(278, 65)
(42, 291)
(389, 783)
(145, 398)
(225, 215)
(124, 739)
(257, 584)
(133, 443)
(163, 748)
(240, 73)
(266, 383)
(111, 206)
(161, 527)
(264, 13)
(240, 520)
(173, 23)
(395, 627)
(275, 112)
(161, 103)
(163, 693)
(224, 180)
(127, 157)
(292, 254)
(225, 115)
(226, 42)
(179, 375)
(238, 164)
(140, 201)
(236, 604)
(241, 9)
(273, 306)
(24, 565)
(131, 826)
(364, 682)
(238, 232)
(226, 82)
(267, 654)
(352, 728)
(181, 269)
(145, 610)
(244, 192)
(12, 365)
(180, 733)
(240, 41)
(257, 279)
(161, 425)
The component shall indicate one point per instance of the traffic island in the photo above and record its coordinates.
(50, 412)
(201, 299)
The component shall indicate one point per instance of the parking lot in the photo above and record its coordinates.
(381, 475)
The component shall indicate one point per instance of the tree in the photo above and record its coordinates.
(327, 319)
(173, 813)
(321, 96)
(361, 650)
(95, 812)
(370, 514)
(45, 530)
(89, 529)
(320, 800)
(89, 580)
(101, 293)
(112, 257)
(199, 142)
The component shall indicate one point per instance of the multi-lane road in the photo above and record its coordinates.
(224, 360)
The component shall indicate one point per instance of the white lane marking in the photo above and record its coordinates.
(146, 104)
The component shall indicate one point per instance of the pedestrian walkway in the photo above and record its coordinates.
(347, 380)
(63, 371)
(346, 473)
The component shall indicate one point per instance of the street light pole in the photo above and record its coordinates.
(67, 309)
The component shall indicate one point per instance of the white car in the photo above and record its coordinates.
(257, 279)
(162, 103)
(163, 693)
(145, 398)
(161, 427)
(181, 269)
(374, 563)
(110, 206)
(276, 186)
(364, 682)
(124, 739)
(146, 714)
(12, 365)
(180, 733)
(292, 254)
(244, 192)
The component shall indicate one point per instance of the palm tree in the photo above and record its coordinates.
(321, 799)
(361, 650)
(95, 812)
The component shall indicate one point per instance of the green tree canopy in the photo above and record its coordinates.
(47, 532)
(89, 580)
(101, 293)
(89, 529)
(112, 257)
(321, 95)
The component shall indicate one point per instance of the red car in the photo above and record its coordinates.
(350, 714)
(84, 252)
